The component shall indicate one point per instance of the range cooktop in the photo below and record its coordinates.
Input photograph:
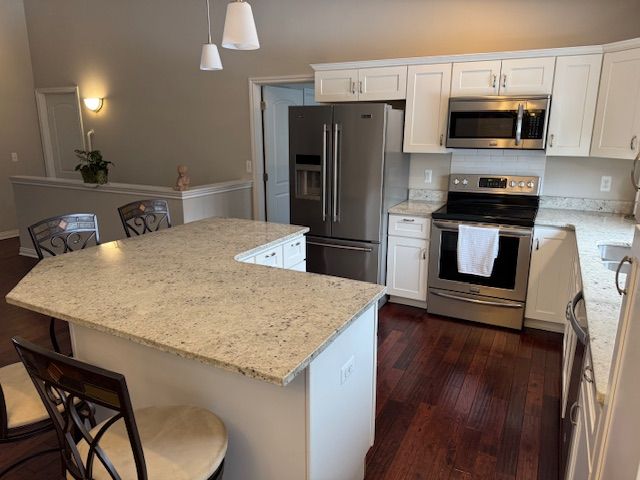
(504, 200)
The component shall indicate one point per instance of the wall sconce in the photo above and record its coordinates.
(93, 104)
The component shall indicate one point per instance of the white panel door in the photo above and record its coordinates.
(549, 286)
(276, 149)
(336, 86)
(428, 88)
(578, 462)
(384, 83)
(475, 78)
(573, 106)
(61, 129)
(527, 76)
(407, 268)
(617, 127)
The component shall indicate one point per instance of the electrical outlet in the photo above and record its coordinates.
(249, 166)
(346, 371)
(14, 156)
(605, 183)
(428, 176)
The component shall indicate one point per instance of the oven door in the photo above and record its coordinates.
(510, 273)
(498, 122)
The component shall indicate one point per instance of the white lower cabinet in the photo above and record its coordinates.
(550, 274)
(407, 268)
(578, 467)
(290, 255)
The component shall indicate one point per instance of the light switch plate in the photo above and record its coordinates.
(605, 183)
(428, 176)
(14, 156)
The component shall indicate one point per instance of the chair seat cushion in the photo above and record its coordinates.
(179, 443)
(24, 405)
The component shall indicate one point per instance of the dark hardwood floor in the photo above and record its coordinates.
(455, 400)
(464, 401)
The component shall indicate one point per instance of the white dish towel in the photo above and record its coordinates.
(477, 249)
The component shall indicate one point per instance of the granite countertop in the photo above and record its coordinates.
(602, 300)
(416, 208)
(182, 290)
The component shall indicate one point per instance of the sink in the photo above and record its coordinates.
(611, 254)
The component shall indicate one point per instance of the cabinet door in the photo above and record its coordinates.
(527, 76)
(428, 88)
(617, 126)
(549, 275)
(407, 268)
(578, 464)
(475, 78)
(384, 83)
(336, 86)
(575, 91)
(271, 258)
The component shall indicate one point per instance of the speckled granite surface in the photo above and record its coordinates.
(602, 300)
(182, 291)
(586, 204)
(416, 208)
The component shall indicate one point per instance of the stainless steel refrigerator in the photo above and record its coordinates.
(346, 169)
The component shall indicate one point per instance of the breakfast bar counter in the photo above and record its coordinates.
(286, 358)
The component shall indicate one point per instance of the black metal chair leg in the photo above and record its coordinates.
(26, 459)
(52, 334)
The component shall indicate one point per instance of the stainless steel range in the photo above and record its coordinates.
(509, 203)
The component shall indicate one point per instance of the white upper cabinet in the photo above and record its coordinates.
(617, 127)
(385, 83)
(336, 86)
(527, 76)
(573, 105)
(365, 84)
(428, 88)
(520, 76)
(475, 78)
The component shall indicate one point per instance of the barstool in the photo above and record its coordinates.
(158, 443)
(64, 233)
(144, 216)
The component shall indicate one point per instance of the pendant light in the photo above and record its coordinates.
(210, 58)
(239, 27)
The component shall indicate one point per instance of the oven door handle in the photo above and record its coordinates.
(478, 301)
(453, 226)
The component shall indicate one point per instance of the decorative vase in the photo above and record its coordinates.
(99, 177)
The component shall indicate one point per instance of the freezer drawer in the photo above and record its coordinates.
(342, 258)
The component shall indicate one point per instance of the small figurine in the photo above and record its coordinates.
(183, 181)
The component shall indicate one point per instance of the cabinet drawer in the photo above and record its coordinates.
(407, 226)
(295, 251)
(271, 257)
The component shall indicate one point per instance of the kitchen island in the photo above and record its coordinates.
(285, 358)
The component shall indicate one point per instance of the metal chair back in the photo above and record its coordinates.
(144, 216)
(64, 233)
(59, 378)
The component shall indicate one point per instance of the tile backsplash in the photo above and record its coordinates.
(500, 162)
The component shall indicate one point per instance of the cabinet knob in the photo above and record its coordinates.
(633, 143)
(360, 87)
(551, 137)
(409, 220)
(504, 80)
(494, 79)
(353, 88)
(588, 374)
(572, 413)
(441, 139)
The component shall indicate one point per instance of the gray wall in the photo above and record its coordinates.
(18, 118)
(160, 110)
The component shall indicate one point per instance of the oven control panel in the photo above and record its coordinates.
(504, 184)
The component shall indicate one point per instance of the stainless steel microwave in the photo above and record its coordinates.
(498, 122)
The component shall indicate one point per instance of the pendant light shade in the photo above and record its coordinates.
(210, 58)
(239, 27)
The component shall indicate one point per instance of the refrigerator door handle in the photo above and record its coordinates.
(325, 131)
(341, 247)
(336, 152)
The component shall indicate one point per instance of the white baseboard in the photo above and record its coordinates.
(28, 252)
(544, 325)
(9, 234)
(408, 301)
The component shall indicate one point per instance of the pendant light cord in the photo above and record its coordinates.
(208, 22)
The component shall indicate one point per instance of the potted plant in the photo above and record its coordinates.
(92, 167)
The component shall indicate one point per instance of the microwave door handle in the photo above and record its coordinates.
(519, 124)
(325, 131)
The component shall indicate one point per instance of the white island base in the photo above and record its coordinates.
(319, 426)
